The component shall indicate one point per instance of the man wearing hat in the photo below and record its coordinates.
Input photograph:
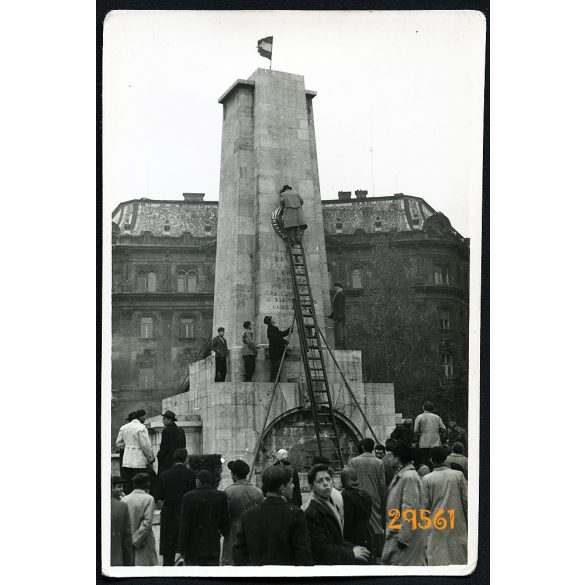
(241, 495)
(173, 438)
(293, 217)
(276, 345)
(138, 455)
(404, 545)
(204, 519)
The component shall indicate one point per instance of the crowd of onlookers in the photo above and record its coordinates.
(401, 503)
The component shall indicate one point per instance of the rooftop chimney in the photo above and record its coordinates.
(344, 195)
(190, 197)
(361, 194)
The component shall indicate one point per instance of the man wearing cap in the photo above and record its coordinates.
(293, 217)
(141, 511)
(173, 438)
(276, 345)
(173, 484)
(204, 519)
(138, 455)
(404, 545)
(282, 459)
(220, 349)
(241, 495)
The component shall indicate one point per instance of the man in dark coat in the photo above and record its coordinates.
(204, 518)
(121, 532)
(173, 484)
(338, 316)
(357, 507)
(282, 459)
(403, 432)
(220, 348)
(327, 542)
(276, 345)
(273, 532)
(173, 438)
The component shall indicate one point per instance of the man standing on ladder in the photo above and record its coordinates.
(293, 217)
(338, 316)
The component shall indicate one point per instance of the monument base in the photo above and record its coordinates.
(232, 413)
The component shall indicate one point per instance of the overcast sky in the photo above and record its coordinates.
(408, 85)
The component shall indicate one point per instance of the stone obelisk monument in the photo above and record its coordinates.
(268, 140)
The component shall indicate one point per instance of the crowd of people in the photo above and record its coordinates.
(401, 503)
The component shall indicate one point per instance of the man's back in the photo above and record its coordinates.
(372, 479)
(133, 438)
(204, 516)
(429, 425)
(141, 512)
(446, 489)
(357, 506)
(272, 533)
(242, 496)
(174, 483)
(459, 459)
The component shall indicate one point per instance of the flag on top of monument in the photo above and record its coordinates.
(265, 47)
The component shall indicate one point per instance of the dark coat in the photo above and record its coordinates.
(219, 346)
(357, 507)
(173, 484)
(297, 498)
(338, 306)
(402, 433)
(276, 342)
(173, 438)
(273, 533)
(327, 542)
(204, 516)
(121, 536)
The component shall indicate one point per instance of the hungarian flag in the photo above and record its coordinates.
(265, 47)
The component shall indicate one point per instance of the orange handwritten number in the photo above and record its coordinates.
(452, 517)
(425, 517)
(394, 514)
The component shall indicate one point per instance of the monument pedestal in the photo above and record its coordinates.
(231, 413)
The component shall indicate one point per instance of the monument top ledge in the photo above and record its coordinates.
(251, 83)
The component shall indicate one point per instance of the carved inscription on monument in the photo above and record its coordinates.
(280, 294)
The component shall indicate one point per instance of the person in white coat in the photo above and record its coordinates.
(138, 455)
(445, 493)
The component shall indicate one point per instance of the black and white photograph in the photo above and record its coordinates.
(292, 227)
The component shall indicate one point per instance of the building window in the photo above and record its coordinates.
(356, 278)
(146, 328)
(142, 282)
(167, 227)
(338, 227)
(151, 282)
(191, 282)
(444, 319)
(438, 275)
(146, 378)
(447, 363)
(186, 282)
(446, 279)
(187, 327)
